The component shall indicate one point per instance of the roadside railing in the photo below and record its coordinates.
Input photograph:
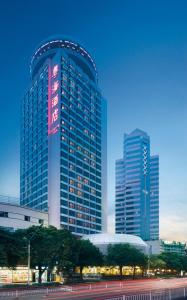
(43, 291)
(167, 294)
(164, 294)
(65, 288)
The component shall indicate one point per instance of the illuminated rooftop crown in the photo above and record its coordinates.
(74, 50)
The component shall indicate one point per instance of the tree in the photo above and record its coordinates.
(66, 256)
(156, 262)
(88, 255)
(49, 247)
(3, 257)
(10, 250)
(184, 262)
(137, 258)
(119, 255)
(126, 255)
(4, 238)
(42, 247)
(173, 261)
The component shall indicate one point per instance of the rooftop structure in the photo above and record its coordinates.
(103, 240)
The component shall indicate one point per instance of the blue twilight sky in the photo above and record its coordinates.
(140, 48)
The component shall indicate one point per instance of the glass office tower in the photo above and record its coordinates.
(137, 188)
(63, 138)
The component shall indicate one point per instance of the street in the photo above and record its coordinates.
(107, 290)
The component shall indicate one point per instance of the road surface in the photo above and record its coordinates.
(104, 290)
(110, 289)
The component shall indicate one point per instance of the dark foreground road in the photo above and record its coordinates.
(107, 290)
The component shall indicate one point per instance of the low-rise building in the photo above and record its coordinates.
(162, 246)
(13, 216)
(173, 247)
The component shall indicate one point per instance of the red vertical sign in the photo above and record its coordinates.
(53, 99)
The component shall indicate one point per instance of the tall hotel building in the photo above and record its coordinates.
(137, 188)
(63, 138)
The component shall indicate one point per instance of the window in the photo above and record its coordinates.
(27, 218)
(3, 214)
(40, 221)
(71, 190)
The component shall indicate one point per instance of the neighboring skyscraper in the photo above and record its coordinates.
(63, 138)
(137, 188)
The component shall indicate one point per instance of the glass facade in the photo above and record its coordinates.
(63, 139)
(154, 197)
(34, 145)
(137, 188)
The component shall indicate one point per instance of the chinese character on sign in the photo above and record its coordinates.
(54, 115)
(55, 86)
(55, 70)
(55, 101)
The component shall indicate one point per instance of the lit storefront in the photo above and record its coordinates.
(19, 275)
(111, 270)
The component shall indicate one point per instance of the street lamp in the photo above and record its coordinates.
(29, 261)
(149, 253)
(29, 254)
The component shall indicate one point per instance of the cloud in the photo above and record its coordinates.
(173, 227)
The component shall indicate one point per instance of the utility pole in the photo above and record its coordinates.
(29, 260)
(148, 267)
(29, 253)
